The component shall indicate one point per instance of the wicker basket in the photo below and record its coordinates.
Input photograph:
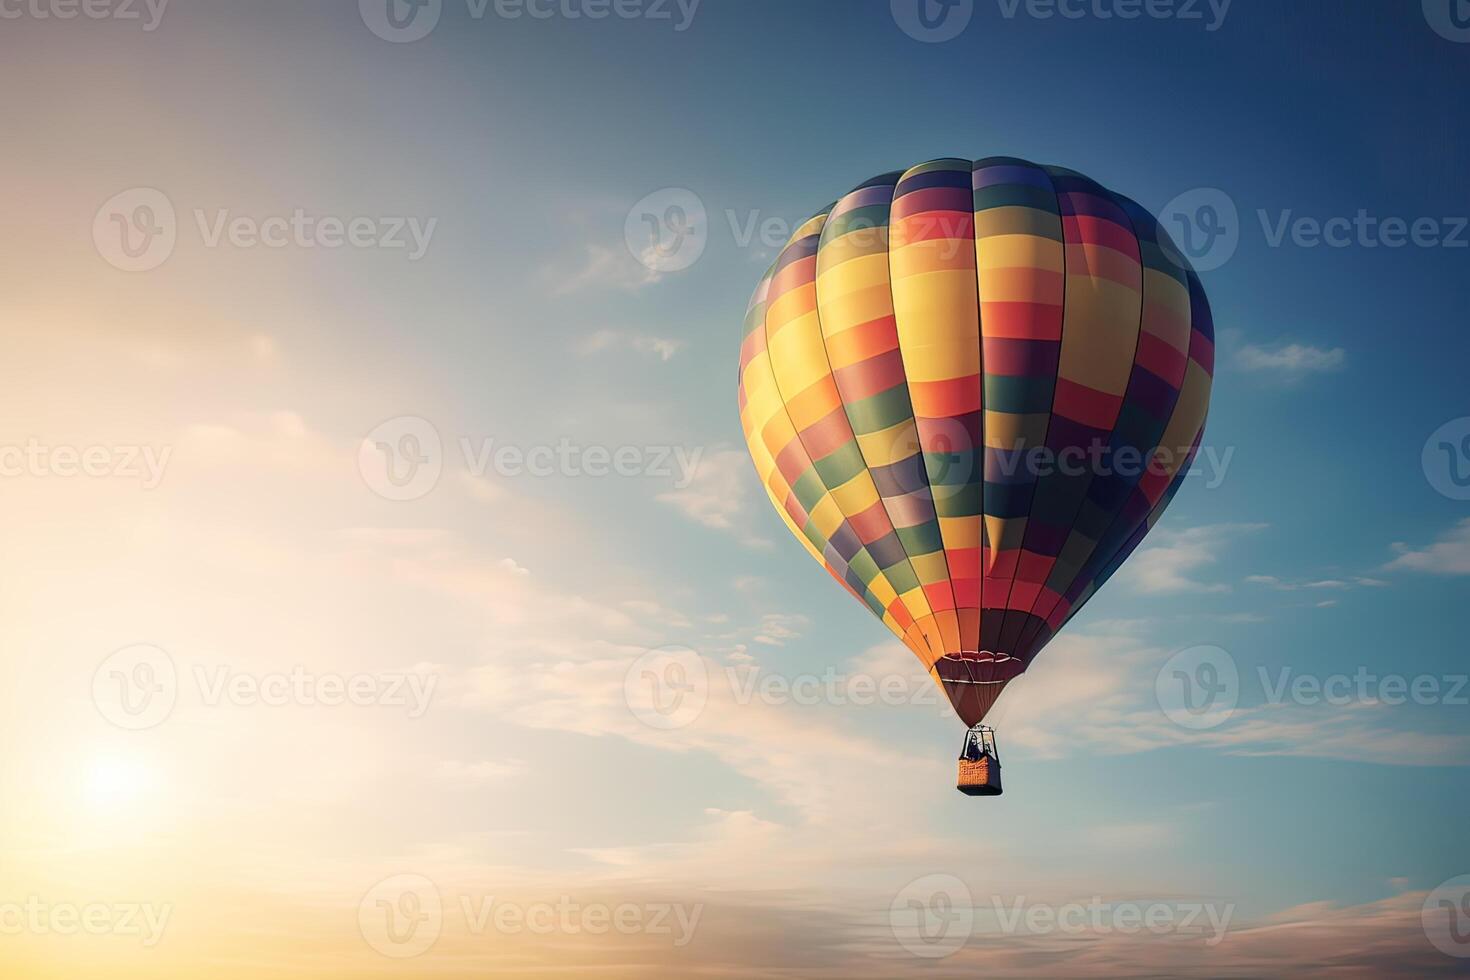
(979, 777)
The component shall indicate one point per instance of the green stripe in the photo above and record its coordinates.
(842, 465)
(921, 539)
(881, 411)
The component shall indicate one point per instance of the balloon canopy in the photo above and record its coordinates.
(970, 389)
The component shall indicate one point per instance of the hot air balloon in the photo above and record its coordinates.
(970, 388)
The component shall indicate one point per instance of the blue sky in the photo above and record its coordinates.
(1321, 547)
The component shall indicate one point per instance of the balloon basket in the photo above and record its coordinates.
(979, 773)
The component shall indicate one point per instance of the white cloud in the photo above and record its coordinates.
(1335, 584)
(716, 494)
(1290, 359)
(664, 348)
(1450, 555)
(603, 267)
(1168, 561)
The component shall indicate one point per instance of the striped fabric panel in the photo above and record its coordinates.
(932, 264)
(787, 472)
(1148, 403)
(1103, 309)
(1020, 272)
(858, 329)
(825, 447)
(1111, 514)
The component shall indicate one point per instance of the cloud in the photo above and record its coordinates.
(1450, 555)
(1290, 359)
(602, 267)
(1333, 584)
(664, 348)
(716, 494)
(1168, 561)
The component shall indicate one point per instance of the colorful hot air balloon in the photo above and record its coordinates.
(970, 388)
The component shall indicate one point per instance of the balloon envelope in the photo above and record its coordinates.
(970, 388)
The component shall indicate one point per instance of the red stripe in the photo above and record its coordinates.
(827, 435)
(1033, 567)
(939, 595)
(871, 524)
(870, 377)
(1022, 321)
(1092, 230)
(1162, 358)
(1089, 406)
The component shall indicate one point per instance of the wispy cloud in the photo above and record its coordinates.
(717, 493)
(601, 267)
(1290, 359)
(1334, 584)
(1450, 555)
(664, 348)
(1170, 561)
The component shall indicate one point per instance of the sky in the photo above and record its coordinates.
(362, 475)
